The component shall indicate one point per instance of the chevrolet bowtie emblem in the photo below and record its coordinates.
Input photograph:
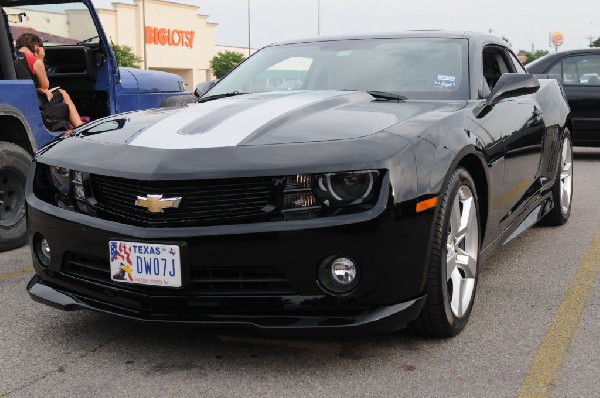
(156, 203)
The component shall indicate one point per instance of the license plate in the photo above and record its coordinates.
(145, 263)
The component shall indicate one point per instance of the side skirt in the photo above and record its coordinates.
(516, 229)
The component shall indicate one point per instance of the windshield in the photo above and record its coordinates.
(56, 24)
(419, 68)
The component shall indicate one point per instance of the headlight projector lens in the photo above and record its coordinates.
(346, 188)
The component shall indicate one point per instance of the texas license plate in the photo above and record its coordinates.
(145, 263)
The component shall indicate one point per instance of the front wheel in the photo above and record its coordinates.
(453, 264)
(14, 165)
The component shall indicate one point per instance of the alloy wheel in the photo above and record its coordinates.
(566, 176)
(462, 250)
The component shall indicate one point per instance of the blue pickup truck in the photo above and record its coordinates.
(80, 60)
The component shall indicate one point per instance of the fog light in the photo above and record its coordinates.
(45, 248)
(338, 275)
(42, 250)
(343, 270)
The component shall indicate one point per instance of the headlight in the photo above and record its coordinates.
(316, 195)
(340, 189)
(62, 187)
(61, 178)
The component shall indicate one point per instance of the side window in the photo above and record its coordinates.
(555, 72)
(582, 70)
(517, 67)
(556, 69)
(494, 65)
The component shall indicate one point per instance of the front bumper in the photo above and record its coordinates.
(389, 245)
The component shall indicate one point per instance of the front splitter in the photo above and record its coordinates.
(378, 320)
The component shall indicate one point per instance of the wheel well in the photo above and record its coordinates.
(475, 168)
(14, 131)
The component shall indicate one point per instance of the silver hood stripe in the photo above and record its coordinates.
(162, 133)
(230, 132)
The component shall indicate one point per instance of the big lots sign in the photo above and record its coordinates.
(170, 37)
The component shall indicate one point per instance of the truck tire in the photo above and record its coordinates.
(14, 166)
(178, 100)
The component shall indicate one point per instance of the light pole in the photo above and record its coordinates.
(590, 37)
(318, 17)
(249, 28)
(532, 45)
(144, 32)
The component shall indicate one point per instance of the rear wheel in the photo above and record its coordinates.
(562, 190)
(453, 265)
(14, 165)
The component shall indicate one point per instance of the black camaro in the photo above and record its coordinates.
(579, 73)
(348, 182)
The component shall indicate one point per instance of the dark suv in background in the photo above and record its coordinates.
(579, 73)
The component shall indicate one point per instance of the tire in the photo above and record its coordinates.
(454, 266)
(562, 190)
(178, 100)
(14, 166)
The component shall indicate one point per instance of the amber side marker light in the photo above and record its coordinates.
(426, 204)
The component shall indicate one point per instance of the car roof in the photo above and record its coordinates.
(433, 33)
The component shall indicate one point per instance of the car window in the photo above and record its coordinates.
(494, 65)
(518, 68)
(418, 68)
(556, 69)
(287, 75)
(582, 70)
(55, 24)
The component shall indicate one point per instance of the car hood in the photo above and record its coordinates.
(139, 81)
(257, 119)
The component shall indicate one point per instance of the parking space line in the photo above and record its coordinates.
(14, 274)
(563, 327)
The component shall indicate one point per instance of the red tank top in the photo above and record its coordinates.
(30, 61)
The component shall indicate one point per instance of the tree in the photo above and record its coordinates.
(595, 43)
(532, 56)
(223, 62)
(125, 56)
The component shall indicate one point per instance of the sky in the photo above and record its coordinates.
(525, 23)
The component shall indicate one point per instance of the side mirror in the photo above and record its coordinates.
(512, 85)
(203, 87)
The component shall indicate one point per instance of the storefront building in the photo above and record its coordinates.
(168, 36)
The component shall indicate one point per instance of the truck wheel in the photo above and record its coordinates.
(178, 100)
(14, 166)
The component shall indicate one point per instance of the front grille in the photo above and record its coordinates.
(203, 280)
(204, 202)
(239, 280)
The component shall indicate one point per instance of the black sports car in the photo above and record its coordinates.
(363, 196)
(579, 73)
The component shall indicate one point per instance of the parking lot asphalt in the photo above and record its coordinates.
(533, 332)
